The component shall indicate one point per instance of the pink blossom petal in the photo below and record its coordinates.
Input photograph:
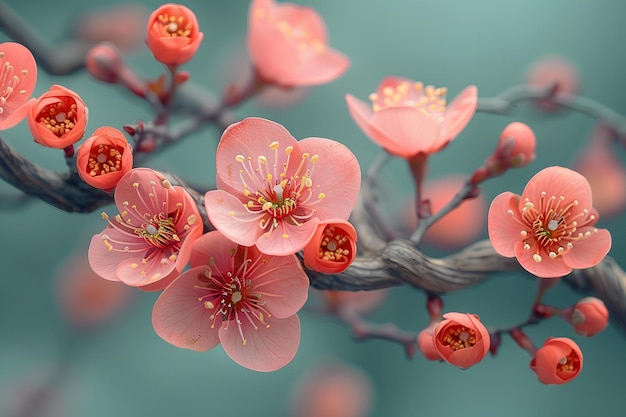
(135, 273)
(251, 138)
(16, 116)
(282, 283)
(465, 358)
(406, 130)
(590, 251)
(139, 196)
(306, 19)
(547, 268)
(180, 319)
(214, 246)
(459, 112)
(103, 259)
(504, 231)
(337, 174)
(321, 68)
(230, 217)
(558, 181)
(266, 349)
(287, 238)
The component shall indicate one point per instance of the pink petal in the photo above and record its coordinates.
(251, 138)
(266, 349)
(230, 217)
(287, 239)
(504, 231)
(459, 112)
(406, 131)
(305, 18)
(126, 192)
(212, 245)
(16, 116)
(589, 251)
(337, 174)
(465, 358)
(558, 181)
(180, 319)
(282, 283)
(319, 69)
(547, 268)
(103, 259)
(138, 274)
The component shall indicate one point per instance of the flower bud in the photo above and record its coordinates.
(104, 158)
(515, 149)
(588, 316)
(58, 118)
(558, 361)
(332, 248)
(173, 34)
(104, 62)
(426, 343)
(461, 339)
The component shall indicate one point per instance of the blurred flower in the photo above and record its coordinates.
(122, 25)
(87, 300)
(556, 72)
(276, 202)
(18, 76)
(58, 118)
(173, 34)
(360, 303)
(332, 248)
(104, 62)
(515, 149)
(461, 339)
(104, 158)
(558, 361)
(426, 343)
(605, 173)
(335, 389)
(149, 243)
(236, 296)
(407, 119)
(549, 229)
(589, 316)
(288, 45)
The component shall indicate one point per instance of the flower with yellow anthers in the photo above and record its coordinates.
(550, 227)
(273, 190)
(18, 76)
(149, 242)
(407, 118)
(288, 45)
(461, 339)
(558, 361)
(173, 34)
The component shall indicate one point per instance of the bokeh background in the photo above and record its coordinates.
(125, 369)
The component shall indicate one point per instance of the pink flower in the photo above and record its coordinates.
(549, 229)
(289, 45)
(87, 300)
(122, 25)
(18, 75)
(273, 190)
(333, 390)
(58, 118)
(173, 34)
(461, 339)
(407, 119)
(332, 248)
(589, 316)
(104, 158)
(149, 242)
(236, 296)
(558, 361)
(360, 303)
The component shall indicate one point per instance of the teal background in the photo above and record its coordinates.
(125, 369)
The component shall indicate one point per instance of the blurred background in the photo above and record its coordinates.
(122, 368)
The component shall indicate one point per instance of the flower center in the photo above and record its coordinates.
(60, 117)
(569, 363)
(104, 159)
(232, 297)
(550, 225)
(175, 26)
(429, 100)
(281, 194)
(458, 337)
(9, 81)
(160, 231)
(335, 245)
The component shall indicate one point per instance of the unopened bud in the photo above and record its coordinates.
(104, 62)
